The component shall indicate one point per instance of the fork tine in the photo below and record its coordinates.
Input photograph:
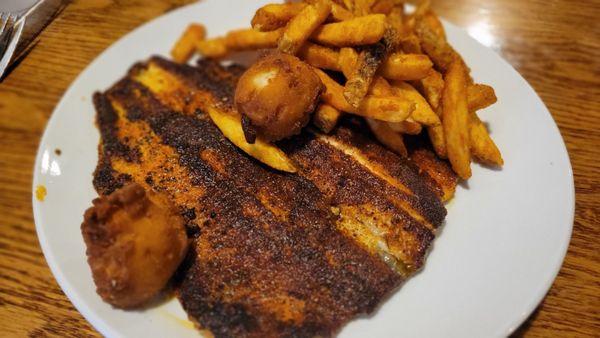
(3, 21)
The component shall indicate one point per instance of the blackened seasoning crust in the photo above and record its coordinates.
(274, 254)
(107, 180)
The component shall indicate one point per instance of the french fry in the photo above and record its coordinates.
(482, 146)
(434, 23)
(395, 20)
(347, 60)
(339, 13)
(410, 44)
(423, 7)
(320, 56)
(362, 7)
(185, 47)
(438, 140)
(349, 4)
(334, 92)
(299, 29)
(380, 87)
(455, 118)
(231, 127)
(393, 34)
(391, 40)
(383, 7)
(423, 112)
(273, 16)
(407, 127)
(388, 137)
(391, 109)
(440, 52)
(212, 48)
(360, 79)
(406, 66)
(431, 87)
(326, 117)
(431, 33)
(480, 96)
(364, 30)
(250, 39)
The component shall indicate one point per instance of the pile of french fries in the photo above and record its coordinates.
(400, 72)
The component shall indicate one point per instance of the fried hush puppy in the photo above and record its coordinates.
(135, 242)
(276, 96)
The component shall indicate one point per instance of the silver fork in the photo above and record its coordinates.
(4, 19)
(7, 22)
(10, 31)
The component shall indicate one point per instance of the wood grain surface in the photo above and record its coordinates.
(554, 44)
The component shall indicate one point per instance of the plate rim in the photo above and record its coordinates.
(100, 324)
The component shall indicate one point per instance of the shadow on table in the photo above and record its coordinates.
(522, 330)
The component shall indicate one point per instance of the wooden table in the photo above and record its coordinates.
(554, 44)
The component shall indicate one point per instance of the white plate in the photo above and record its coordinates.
(503, 243)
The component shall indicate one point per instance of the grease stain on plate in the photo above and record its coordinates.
(180, 321)
(40, 192)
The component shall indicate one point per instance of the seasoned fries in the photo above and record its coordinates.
(347, 60)
(438, 140)
(231, 127)
(273, 16)
(406, 67)
(302, 25)
(364, 30)
(387, 136)
(480, 96)
(409, 127)
(339, 13)
(320, 56)
(349, 4)
(184, 48)
(423, 112)
(482, 146)
(393, 67)
(431, 87)
(440, 52)
(380, 87)
(334, 93)
(434, 24)
(395, 20)
(362, 7)
(455, 114)
(249, 39)
(391, 109)
(360, 78)
(212, 48)
(422, 8)
(410, 44)
(383, 7)
(326, 117)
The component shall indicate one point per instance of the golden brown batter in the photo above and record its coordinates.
(134, 245)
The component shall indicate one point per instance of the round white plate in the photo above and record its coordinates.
(505, 236)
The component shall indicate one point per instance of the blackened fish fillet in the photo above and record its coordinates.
(275, 254)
